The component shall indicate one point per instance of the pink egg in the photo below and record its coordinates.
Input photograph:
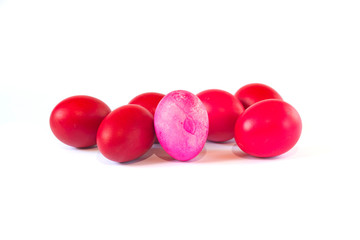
(181, 124)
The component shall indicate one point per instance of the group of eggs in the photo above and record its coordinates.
(261, 122)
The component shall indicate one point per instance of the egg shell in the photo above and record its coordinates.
(223, 111)
(181, 124)
(148, 100)
(255, 92)
(126, 133)
(268, 128)
(75, 120)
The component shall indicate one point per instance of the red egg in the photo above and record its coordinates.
(148, 100)
(126, 133)
(255, 92)
(75, 120)
(268, 128)
(223, 110)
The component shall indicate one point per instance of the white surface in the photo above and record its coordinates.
(307, 50)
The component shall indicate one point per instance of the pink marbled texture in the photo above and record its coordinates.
(181, 124)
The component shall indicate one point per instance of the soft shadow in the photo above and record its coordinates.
(86, 149)
(104, 160)
(211, 153)
(228, 142)
(239, 153)
(147, 155)
(90, 149)
(160, 153)
(291, 154)
(200, 156)
(157, 155)
(219, 153)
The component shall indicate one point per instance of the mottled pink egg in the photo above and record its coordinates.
(181, 124)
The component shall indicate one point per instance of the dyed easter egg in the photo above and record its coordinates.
(268, 128)
(181, 124)
(75, 120)
(255, 92)
(148, 100)
(126, 133)
(223, 111)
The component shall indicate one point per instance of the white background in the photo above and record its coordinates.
(308, 51)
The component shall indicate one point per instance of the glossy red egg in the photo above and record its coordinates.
(223, 110)
(126, 133)
(255, 92)
(148, 100)
(268, 128)
(75, 120)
